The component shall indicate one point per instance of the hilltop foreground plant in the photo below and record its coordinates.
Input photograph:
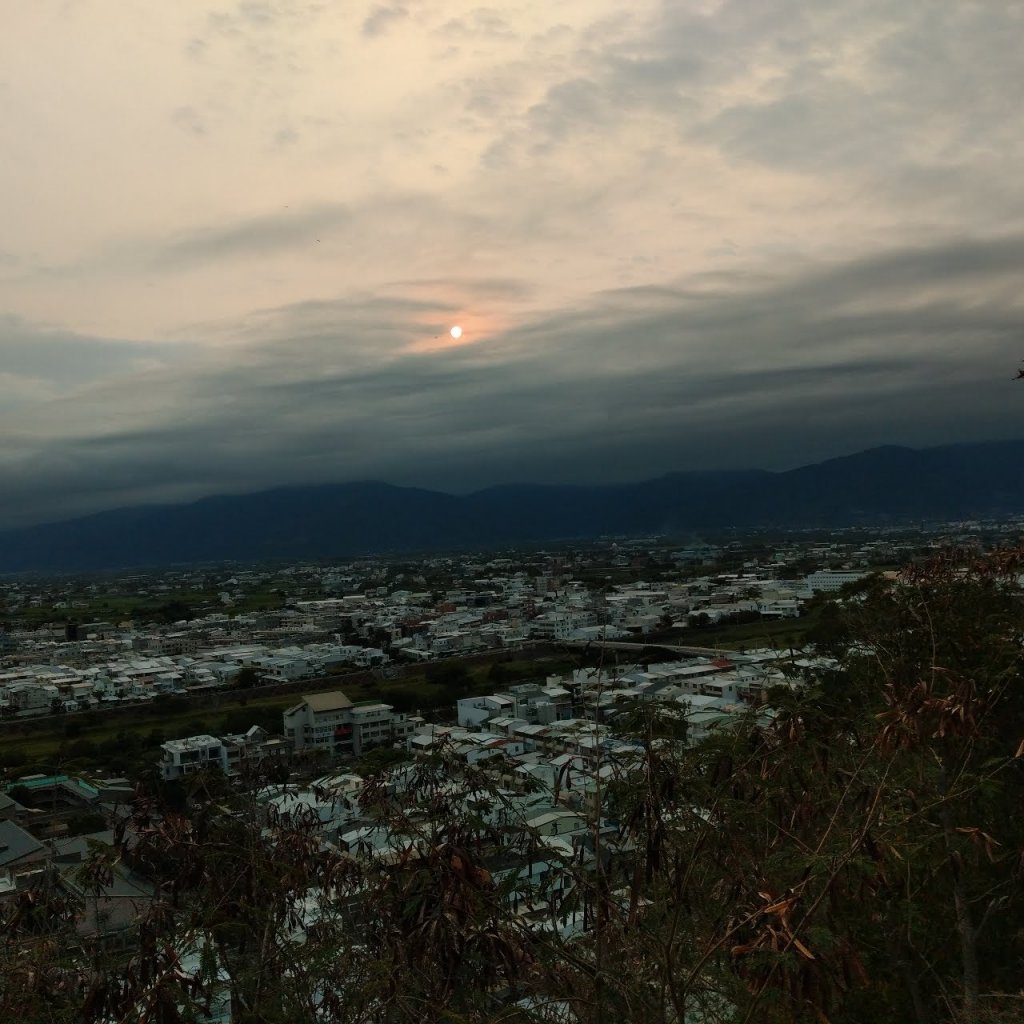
(855, 856)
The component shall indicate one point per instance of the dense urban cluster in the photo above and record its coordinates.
(549, 794)
(189, 631)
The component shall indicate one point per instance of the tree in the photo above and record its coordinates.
(946, 647)
(246, 678)
(852, 855)
(22, 795)
(500, 675)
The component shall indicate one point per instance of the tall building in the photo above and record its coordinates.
(331, 722)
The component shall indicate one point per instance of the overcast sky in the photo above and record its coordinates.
(234, 237)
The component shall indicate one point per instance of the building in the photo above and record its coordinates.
(230, 754)
(831, 581)
(332, 723)
(20, 853)
(10, 810)
(190, 755)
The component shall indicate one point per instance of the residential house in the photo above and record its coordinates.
(20, 852)
(332, 723)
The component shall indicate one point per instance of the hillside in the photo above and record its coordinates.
(880, 486)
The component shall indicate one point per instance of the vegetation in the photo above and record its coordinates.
(163, 608)
(755, 633)
(855, 858)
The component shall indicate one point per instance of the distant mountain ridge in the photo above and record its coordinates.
(875, 487)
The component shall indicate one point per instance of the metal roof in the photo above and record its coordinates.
(16, 843)
(333, 701)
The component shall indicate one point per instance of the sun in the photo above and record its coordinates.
(456, 332)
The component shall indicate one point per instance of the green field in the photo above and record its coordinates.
(766, 633)
(734, 636)
(161, 607)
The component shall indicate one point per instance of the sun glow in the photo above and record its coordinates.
(469, 328)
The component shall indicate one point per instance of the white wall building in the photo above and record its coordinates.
(191, 755)
(332, 723)
(829, 581)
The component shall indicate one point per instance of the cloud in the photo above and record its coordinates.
(250, 237)
(862, 353)
(868, 90)
(190, 120)
(383, 17)
(369, 229)
(723, 232)
(475, 288)
(68, 361)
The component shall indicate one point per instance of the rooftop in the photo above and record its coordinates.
(333, 701)
(190, 743)
(370, 709)
(16, 843)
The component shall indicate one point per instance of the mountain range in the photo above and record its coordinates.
(881, 486)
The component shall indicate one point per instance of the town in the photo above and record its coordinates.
(78, 645)
(524, 672)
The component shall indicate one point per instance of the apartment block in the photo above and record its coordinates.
(332, 723)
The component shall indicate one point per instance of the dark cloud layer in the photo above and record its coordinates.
(915, 346)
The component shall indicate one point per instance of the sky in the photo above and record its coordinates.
(677, 234)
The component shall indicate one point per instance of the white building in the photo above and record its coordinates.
(829, 581)
(192, 754)
(332, 723)
(229, 753)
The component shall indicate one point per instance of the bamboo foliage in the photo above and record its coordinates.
(858, 855)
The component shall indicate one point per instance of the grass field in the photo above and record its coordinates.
(766, 633)
(743, 635)
(116, 608)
